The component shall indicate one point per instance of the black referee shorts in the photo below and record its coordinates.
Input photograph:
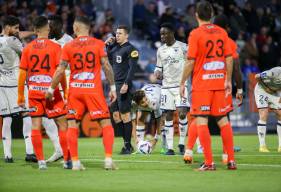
(123, 102)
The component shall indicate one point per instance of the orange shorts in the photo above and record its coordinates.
(78, 104)
(42, 107)
(229, 103)
(209, 102)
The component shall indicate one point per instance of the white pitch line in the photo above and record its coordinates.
(177, 162)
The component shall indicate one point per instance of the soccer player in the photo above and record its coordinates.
(38, 63)
(221, 21)
(10, 51)
(267, 96)
(85, 55)
(210, 62)
(169, 67)
(57, 35)
(148, 102)
(123, 57)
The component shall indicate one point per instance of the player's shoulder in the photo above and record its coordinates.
(67, 37)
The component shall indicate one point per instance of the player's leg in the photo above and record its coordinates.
(7, 139)
(52, 132)
(192, 137)
(26, 131)
(140, 128)
(278, 113)
(76, 109)
(261, 98)
(36, 138)
(201, 108)
(168, 106)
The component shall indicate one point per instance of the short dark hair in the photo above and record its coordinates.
(204, 10)
(56, 19)
(138, 96)
(10, 21)
(222, 21)
(39, 22)
(169, 26)
(84, 20)
(125, 28)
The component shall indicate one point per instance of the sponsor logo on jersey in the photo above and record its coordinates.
(40, 79)
(213, 76)
(205, 108)
(118, 59)
(6, 72)
(84, 76)
(214, 65)
(38, 88)
(134, 54)
(171, 60)
(71, 112)
(82, 85)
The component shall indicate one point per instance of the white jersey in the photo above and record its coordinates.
(152, 93)
(63, 40)
(171, 61)
(271, 79)
(10, 49)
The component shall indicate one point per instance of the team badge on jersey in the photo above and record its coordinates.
(118, 59)
(134, 54)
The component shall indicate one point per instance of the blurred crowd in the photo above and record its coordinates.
(256, 29)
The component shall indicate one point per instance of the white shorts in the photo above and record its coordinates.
(266, 100)
(157, 113)
(171, 99)
(8, 100)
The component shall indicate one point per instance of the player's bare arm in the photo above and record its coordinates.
(21, 82)
(56, 79)
(188, 68)
(238, 80)
(110, 77)
(229, 70)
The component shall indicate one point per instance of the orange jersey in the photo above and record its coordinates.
(233, 48)
(84, 56)
(40, 59)
(208, 46)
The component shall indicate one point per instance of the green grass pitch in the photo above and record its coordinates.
(153, 173)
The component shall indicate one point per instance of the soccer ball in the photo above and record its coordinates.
(144, 147)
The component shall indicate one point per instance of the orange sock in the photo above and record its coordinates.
(63, 143)
(192, 135)
(72, 141)
(205, 140)
(227, 139)
(108, 139)
(36, 139)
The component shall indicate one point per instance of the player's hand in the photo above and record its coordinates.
(124, 89)
(49, 96)
(158, 75)
(228, 88)
(21, 102)
(182, 90)
(112, 96)
(110, 40)
(239, 97)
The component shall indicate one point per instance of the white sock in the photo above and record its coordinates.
(7, 136)
(26, 131)
(261, 132)
(169, 134)
(164, 140)
(52, 132)
(279, 132)
(183, 126)
(140, 131)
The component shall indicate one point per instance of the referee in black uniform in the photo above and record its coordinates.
(123, 57)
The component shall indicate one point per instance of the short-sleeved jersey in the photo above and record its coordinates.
(271, 79)
(170, 61)
(63, 40)
(84, 57)
(233, 46)
(10, 49)
(40, 59)
(208, 46)
(152, 93)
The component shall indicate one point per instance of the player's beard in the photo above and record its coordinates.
(16, 34)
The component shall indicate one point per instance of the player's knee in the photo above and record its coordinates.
(169, 116)
(222, 120)
(182, 115)
(126, 117)
(116, 117)
(263, 115)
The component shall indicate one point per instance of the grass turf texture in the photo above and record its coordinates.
(256, 171)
